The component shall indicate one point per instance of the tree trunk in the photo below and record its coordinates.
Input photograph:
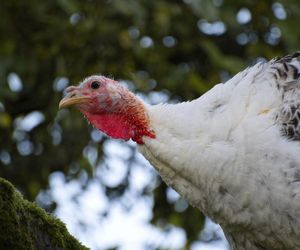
(24, 225)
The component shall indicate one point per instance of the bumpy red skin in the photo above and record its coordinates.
(115, 111)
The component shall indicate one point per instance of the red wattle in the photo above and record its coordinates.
(120, 126)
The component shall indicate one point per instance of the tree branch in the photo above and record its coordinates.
(24, 225)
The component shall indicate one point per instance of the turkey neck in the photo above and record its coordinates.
(187, 156)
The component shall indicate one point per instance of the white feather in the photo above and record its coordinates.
(225, 152)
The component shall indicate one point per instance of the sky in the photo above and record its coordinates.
(123, 227)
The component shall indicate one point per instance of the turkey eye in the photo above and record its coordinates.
(95, 85)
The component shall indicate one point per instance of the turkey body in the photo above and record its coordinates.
(234, 153)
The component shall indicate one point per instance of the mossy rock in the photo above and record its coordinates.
(24, 225)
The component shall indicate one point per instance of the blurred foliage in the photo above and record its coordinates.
(181, 47)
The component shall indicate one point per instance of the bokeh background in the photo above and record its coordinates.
(165, 51)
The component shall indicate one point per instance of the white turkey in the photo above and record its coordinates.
(234, 152)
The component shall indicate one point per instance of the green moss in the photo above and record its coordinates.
(24, 225)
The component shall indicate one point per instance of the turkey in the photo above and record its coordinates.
(234, 153)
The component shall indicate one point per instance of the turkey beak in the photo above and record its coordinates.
(73, 97)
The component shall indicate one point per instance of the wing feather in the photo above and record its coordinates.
(286, 71)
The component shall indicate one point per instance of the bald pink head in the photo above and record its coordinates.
(110, 107)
